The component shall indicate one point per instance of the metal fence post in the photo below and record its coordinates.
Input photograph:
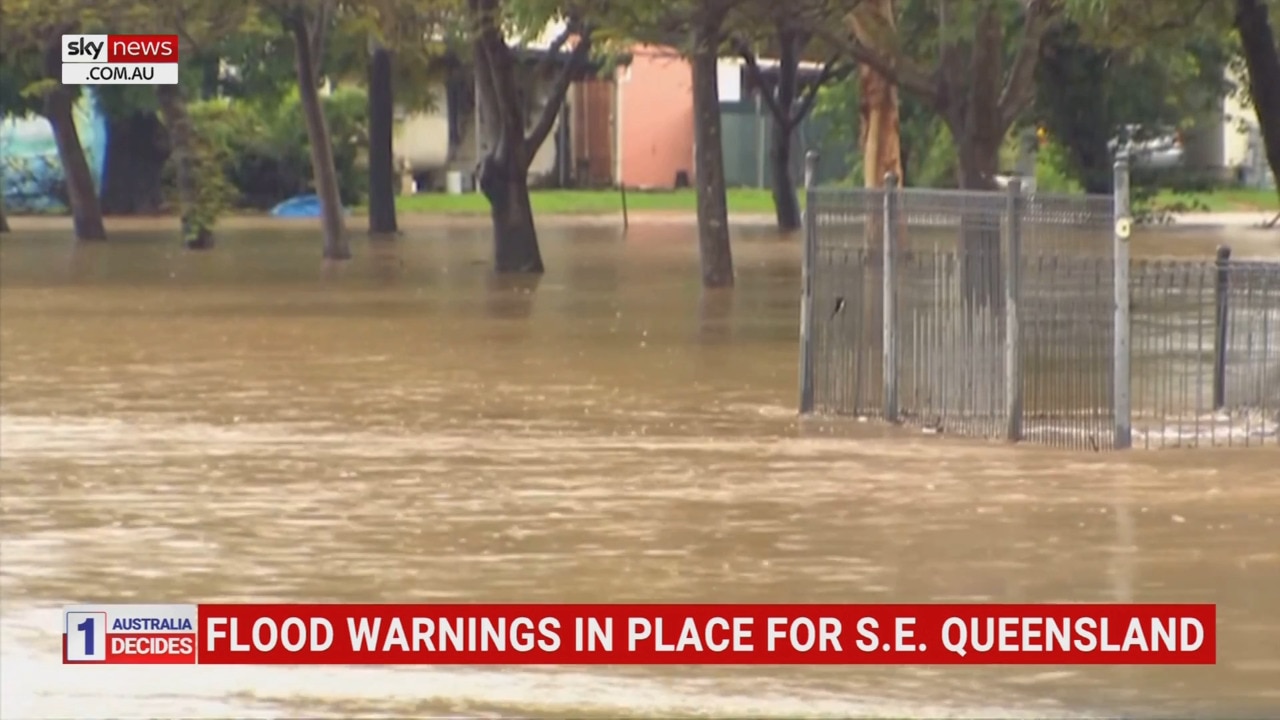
(1121, 380)
(1013, 327)
(889, 332)
(1222, 313)
(808, 261)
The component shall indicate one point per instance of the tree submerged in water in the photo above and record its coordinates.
(512, 137)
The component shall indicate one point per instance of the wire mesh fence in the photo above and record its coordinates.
(1020, 316)
(1206, 352)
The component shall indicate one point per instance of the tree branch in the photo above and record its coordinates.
(757, 76)
(895, 68)
(318, 37)
(547, 117)
(1020, 85)
(830, 70)
(1180, 23)
(553, 50)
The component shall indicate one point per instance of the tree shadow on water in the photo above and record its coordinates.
(334, 270)
(386, 264)
(715, 316)
(510, 297)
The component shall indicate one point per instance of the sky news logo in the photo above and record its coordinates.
(119, 59)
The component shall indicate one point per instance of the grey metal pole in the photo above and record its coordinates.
(1121, 400)
(889, 332)
(808, 260)
(1012, 323)
(1221, 315)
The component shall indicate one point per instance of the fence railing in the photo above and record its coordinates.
(1020, 316)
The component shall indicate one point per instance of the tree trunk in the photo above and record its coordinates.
(504, 169)
(322, 165)
(979, 160)
(197, 229)
(978, 129)
(878, 98)
(515, 238)
(382, 200)
(1078, 117)
(4, 217)
(713, 211)
(785, 204)
(133, 172)
(1263, 60)
(874, 22)
(881, 131)
(86, 213)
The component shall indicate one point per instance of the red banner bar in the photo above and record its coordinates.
(1096, 634)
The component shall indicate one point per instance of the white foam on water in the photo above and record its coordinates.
(1219, 428)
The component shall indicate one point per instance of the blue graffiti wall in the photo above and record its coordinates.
(31, 172)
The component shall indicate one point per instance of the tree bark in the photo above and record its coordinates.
(86, 213)
(504, 169)
(322, 165)
(1262, 57)
(881, 129)
(978, 129)
(515, 238)
(785, 204)
(979, 224)
(133, 172)
(713, 212)
(875, 24)
(197, 230)
(382, 200)
(878, 97)
(979, 159)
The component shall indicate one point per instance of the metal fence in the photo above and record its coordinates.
(1021, 316)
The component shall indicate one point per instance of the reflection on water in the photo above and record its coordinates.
(246, 425)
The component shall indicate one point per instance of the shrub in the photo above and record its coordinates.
(1053, 170)
(265, 152)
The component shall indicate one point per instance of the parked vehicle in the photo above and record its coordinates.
(1161, 150)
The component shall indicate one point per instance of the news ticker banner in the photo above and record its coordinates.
(119, 59)
(1099, 634)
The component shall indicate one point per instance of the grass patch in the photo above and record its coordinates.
(758, 201)
(586, 202)
(1223, 200)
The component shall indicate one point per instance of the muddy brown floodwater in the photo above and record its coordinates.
(243, 426)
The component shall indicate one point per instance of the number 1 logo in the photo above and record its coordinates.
(86, 636)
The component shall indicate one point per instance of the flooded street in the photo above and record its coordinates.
(243, 425)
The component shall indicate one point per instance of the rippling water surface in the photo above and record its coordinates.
(245, 425)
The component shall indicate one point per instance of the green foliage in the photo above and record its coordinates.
(260, 58)
(120, 101)
(216, 129)
(20, 73)
(928, 151)
(214, 191)
(1054, 171)
(263, 150)
(1089, 93)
